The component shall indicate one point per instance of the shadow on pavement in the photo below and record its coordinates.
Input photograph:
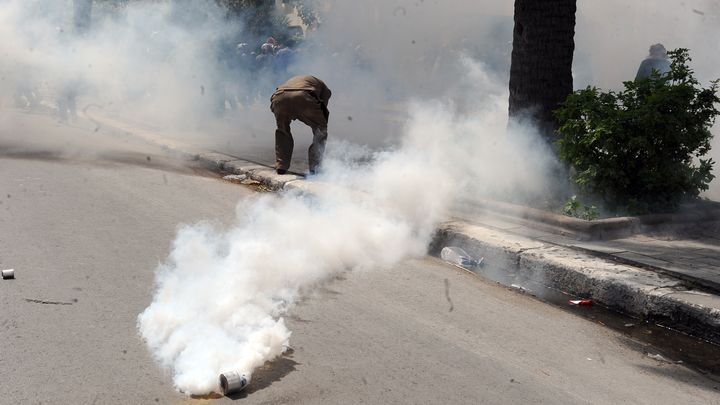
(266, 375)
(682, 358)
(683, 375)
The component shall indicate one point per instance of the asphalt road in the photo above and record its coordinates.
(85, 231)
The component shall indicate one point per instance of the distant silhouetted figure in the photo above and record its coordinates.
(82, 16)
(67, 101)
(657, 60)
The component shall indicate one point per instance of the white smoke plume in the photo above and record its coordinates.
(221, 295)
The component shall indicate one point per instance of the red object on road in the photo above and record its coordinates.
(580, 302)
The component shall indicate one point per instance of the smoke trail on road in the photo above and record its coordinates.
(221, 294)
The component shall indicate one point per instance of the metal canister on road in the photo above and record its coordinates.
(233, 382)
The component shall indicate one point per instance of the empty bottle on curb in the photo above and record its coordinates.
(232, 382)
(457, 256)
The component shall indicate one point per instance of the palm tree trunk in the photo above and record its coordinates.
(541, 68)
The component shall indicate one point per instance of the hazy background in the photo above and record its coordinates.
(164, 64)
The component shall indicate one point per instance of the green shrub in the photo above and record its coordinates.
(574, 208)
(641, 149)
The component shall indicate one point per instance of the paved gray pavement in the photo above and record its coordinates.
(85, 235)
(84, 240)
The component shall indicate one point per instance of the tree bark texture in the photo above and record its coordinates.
(541, 67)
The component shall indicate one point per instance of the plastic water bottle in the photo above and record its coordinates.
(457, 256)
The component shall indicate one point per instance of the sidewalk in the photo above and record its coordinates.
(673, 281)
(692, 255)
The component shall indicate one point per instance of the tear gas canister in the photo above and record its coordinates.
(232, 382)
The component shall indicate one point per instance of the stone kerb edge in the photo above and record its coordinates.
(635, 291)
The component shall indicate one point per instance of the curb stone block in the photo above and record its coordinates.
(215, 160)
(681, 311)
(635, 291)
(271, 179)
(616, 286)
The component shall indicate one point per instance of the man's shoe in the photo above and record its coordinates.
(312, 172)
(281, 171)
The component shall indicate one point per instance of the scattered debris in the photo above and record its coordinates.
(519, 287)
(47, 302)
(459, 257)
(235, 177)
(580, 302)
(447, 295)
(628, 325)
(8, 274)
(250, 182)
(233, 382)
(658, 357)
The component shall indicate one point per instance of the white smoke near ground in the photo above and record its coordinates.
(222, 293)
(220, 297)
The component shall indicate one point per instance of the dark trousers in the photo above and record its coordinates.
(290, 105)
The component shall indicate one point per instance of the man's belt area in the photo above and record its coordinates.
(325, 110)
(310, 91)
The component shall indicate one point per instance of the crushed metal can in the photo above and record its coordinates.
(580, 302)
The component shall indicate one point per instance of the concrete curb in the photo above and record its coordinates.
(260, 173)
(634, 291)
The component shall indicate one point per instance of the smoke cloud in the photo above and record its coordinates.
(221, 295)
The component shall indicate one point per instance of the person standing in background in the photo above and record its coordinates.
(657, 60)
